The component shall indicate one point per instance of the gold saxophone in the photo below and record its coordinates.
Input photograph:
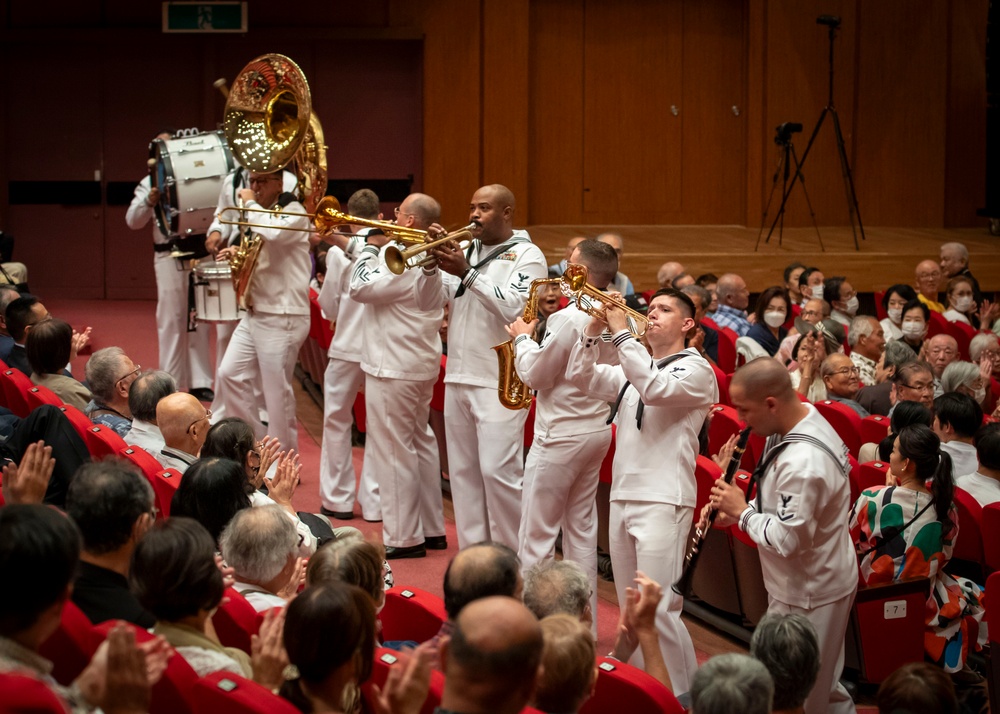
(515, 394)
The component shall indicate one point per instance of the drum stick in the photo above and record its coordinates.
(220, 84)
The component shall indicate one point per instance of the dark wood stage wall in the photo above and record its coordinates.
(652, 112)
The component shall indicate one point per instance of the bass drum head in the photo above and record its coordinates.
(159, 173)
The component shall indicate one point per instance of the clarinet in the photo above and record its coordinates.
(683, 586)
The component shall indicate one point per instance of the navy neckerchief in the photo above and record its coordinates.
(770, 454)
(638, 411)
(468, 256)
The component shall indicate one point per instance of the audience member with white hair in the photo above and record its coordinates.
(787, 645)
(733, 300)
(145, 393)
(110, 374)
(732, 683)
(558, 586)
(955, 264)
(867, 341)
(262, 547)
(940, 351)
(965, 378)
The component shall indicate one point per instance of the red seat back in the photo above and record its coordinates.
(236, 621)
(991, 537)
(15, 389)
(937, 325)
(886, 629)
(100, 440)
(706, 472)
(227, 693)
(727, 350)
(872, 474)
(963, 335)
(72, 645)
(385, 660)
(722, 379)
(969, 544)
(879, 308)
(845, 421)
(624, 688)
(874, 428)
(27, 694)
(164, 481)
(39, 395)
(609, 459)
(725, 423)
(411, 614)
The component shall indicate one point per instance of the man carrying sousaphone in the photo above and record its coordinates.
(266, 342)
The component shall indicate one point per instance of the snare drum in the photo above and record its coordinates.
(214, 294)
(189, 172)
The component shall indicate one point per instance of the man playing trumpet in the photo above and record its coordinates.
(486, 287)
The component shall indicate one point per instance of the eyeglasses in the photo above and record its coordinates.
(929, 387)
(811, 313)
(399, 213)
(262, 179)
(846, 370)
(946, 351)
(137, 369)
(208, 415)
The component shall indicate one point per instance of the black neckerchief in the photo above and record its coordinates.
(468, 256)
(638, 411)
(772, 453)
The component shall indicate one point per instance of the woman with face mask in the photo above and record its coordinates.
(893, 301)
(773, 309)
(961, 303)
(965, 378)
(913, 324)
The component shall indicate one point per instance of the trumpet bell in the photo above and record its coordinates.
(267, 113)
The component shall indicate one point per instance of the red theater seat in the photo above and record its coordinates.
(385, 660)
(15, 389)
(886, 629)
(727, 350)
(26, 694)
(845, 421)
(39, 395)
(874, 428)
(72, 645)
(624, 688)
(969, 544)
(871, 474)
(991, 538)
(722, 379)
(164, 481)
(227, 693)
(236, 621)
(411, 614)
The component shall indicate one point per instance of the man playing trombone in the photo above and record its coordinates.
(487, 287)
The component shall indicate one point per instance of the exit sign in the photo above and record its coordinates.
(204, 17)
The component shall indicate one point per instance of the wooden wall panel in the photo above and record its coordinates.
(900, 152)
(505, 93)
(555, 101)
(632, 138)
(965, 155)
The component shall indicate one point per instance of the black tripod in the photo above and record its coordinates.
(785, 162)
(832, 23)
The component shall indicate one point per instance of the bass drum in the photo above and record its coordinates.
(214, 294)
(189, 171)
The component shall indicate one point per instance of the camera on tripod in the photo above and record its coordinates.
(785, 131)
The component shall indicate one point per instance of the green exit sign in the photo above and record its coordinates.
(204, 17)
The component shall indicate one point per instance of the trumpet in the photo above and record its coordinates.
(399, 260)
(595, 303)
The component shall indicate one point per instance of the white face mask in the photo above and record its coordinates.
(774, 319)
(963, 303)
(914, 330)
(980, 395)
(851, 306)
(817, 291)
(895, 314)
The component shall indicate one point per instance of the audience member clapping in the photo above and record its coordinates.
(893, 302)
(637, 628)
(8, 294)
(732, 683)
(772, 312)
(568, 673)
(984, 484)
(558, 586)
(787, 645)
(48, 347)
(145, 393)
(113, 505)
(212, 491)
(261, 546)
(21, 316)
(917, 688)
(811, 314)
(110, 374)
(867, 341)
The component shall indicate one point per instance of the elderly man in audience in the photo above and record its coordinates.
(877, 399)
(41, 541)
(940, 351)
(110, 374)
(8, 294)
(705, 339)
(479, 571)
(261, 545)
(732, 683)
(184, 423)
(913, 382)
(558, 586)
(568, 673)
(840, 377)
(621, 283)
(957, 418)
(787, 645)
(733, 300)
(49, 348)
(557, 269)
(928, 280)
(491, 660)
(113, 506)
(143, 395)
(667, 272)
(955, 263)
(867, 341)
(984, 483)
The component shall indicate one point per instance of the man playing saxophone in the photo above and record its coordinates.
(266, 342)
(486, 287)
(571, 431)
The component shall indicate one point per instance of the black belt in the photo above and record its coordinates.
(162, 247)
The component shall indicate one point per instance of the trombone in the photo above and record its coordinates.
(327, 217)
(399, 260)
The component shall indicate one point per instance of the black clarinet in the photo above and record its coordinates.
(683, 586)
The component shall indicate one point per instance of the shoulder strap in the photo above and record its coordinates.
(638, 412)
(890, 534)
(772, 454)
(468, 256)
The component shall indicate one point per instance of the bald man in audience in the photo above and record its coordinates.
(491, 660)
(479, 571)
(928, 280)
(557, 269)
(941, 350)
(840, 376)
(184, 423)
(621, 284)
(667, 272)
(733, 300)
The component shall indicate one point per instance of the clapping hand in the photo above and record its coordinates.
(28, 481)
(407, 686)
(267, 650)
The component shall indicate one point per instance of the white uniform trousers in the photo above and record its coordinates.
(653, 537)
(486, 462)
(560, 489)
(264, 347)
(830, 621)
(402, 452)
(223, 333)
(341, 385)
(183, 354)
